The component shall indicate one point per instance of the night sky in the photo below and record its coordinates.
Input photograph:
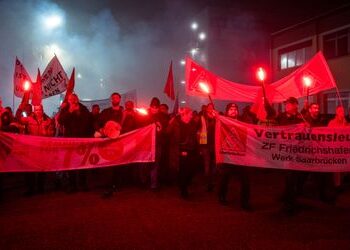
(124, 45)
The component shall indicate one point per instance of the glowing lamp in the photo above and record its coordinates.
(26, 85)
(194, 26)
(194, 51)
(202, 36)
(204, 87)
(261, 74)
(142, 111)
(307, 81)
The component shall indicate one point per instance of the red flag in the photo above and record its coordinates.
(37, 91)
(291, 85)
(169, 86)
(70, 86)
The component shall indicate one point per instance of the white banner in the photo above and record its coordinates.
(19, 77)
(106, 103)
(295, 147)
(54, 80)
(24, 153)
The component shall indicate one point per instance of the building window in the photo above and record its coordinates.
(295, 56)
(336, 44)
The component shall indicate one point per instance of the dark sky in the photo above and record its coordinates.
(128, 44)
(275, 14)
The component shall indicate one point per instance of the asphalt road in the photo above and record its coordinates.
(136, 218)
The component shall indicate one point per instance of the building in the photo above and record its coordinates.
(295, 45)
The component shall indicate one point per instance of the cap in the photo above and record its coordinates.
(291, 100)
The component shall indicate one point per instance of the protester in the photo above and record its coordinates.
(95, 112)
(129, 121)
(324, 180)
(8, 122)
(339, 121)
(228, 170)
(206, 136)
(24, 110)
(313, 117)
(77, 122)
(183, 148)
(289, 117)
(161, 120)
(38, 124)
(164, 109)
(115, 114)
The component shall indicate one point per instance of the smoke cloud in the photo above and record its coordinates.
(113, 48)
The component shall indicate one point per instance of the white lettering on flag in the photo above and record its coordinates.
(54, 79)
(19, 77)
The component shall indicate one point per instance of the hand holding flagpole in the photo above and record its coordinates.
(205, 88)
(261, 75)
(308, 81)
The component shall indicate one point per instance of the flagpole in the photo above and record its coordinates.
(211, 101)
(338, 94)
(13, 99)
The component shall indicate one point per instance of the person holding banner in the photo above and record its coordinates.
(227, 170)
(206, 137)
(183, 148)
(289, 117)
(38, 124)
(339, 121)
(115, 114)
(77, 122)
(324, 180)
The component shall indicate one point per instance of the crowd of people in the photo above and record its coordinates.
(185, 142)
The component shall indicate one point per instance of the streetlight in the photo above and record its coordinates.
(202, 36)
(182, 62)
(194, 26)
(194, 51)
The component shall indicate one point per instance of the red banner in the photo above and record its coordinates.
(24, 153)
(291, 85)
